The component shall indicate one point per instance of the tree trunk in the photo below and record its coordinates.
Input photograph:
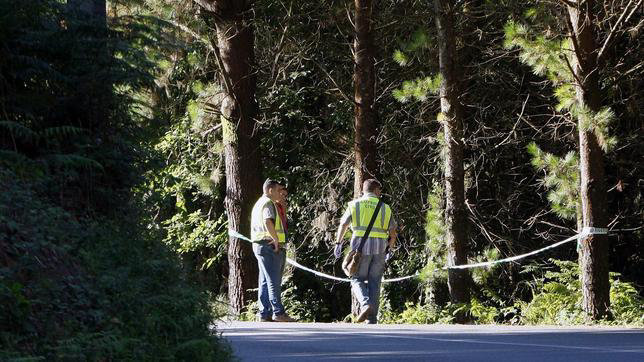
(96, 91)
(364, 141)
(97, 9)
(452, 119)
(593, 254)
(235, 44)
(364, 144)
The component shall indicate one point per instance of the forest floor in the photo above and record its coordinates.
(340, 341)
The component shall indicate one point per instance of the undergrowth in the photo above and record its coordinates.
(556, 300)
(92, 289)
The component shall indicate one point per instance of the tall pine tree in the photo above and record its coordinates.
(593, 253)
(364, 144)
(236, 56)
(364, 82)
(451, 116)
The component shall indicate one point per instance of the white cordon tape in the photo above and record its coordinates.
(589, 230)
(584, 232)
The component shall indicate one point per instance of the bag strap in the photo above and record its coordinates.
(373, 219)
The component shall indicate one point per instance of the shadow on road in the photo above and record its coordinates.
(328, 342)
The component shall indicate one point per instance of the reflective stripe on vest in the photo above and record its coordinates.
(362, 210)
(258, 233)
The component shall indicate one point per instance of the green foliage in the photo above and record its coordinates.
(66, 81)
(418, 89)
(419, 40)
(553, 58)
(91, 289)
(626, 304)
(483, 314)
(546, 57)
(195, 233)
(303, 303)
(598, 123)
(435, 234)
(420, 314)
(557, 299)
(400, 58)
(430, 314)
(183, 187)
(562, 177)
(81, 276)
(481, 276)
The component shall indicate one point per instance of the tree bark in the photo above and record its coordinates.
(96, 90)
(236, 55)
(365, 132)
(452, 119)
(593, 254)
(97, 9)
(364, 144)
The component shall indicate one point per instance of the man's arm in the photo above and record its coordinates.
(393, 233)
(392, 237)
(339, 237)
(270, 226)
(345, 222)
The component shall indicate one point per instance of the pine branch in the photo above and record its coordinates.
(613, 31)
(343, 94)
(194, 34)
(205, 133)
(574, 74)
(575, 45)
(515, 124)
(214, 49)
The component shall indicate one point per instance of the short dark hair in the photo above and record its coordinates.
(282, 182)
(371, 185)
(269, 184)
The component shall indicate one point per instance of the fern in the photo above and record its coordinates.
(19, 131)
(73, 161)
(557, 299)
(13, 158)
(60, 132)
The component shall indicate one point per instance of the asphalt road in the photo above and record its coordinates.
(341, 342)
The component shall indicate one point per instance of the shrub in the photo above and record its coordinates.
(73, 288)
(557, 299)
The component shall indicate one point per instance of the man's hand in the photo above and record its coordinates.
(337, 251)
(276, 246)
(270, 226)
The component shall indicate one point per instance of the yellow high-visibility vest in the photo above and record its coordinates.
(362, 210)
(258, 229)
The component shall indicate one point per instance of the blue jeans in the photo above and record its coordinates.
(271, 268)
(370, 271)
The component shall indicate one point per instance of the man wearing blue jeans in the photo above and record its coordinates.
(365, 284)
(268, 233)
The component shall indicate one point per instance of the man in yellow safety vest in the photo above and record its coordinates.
(268, 233)
(366, 282)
